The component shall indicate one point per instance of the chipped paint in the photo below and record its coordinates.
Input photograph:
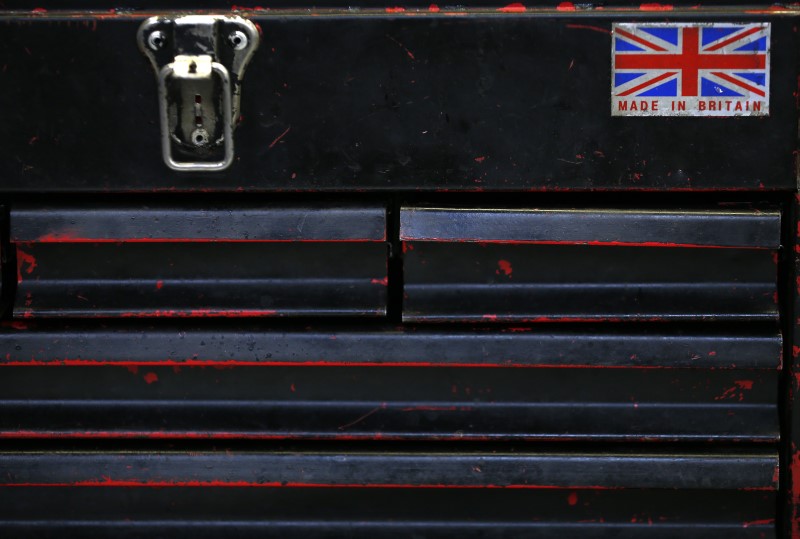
(504, 268)
(26, 263)
(515, 7)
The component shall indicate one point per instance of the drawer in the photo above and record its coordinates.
(433, 493)
(414, 384)
(116, 262)
(530, 265)
(382, 99)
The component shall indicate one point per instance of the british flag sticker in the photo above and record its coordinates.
(692, 69)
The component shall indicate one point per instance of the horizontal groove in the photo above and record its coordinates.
(431, 406)
(545, 287)
(172, 343)
(666, 228)
(254, 282)
(180, 312)
(315, 512)
(412, 315)
(182, 437)
(393, 470)
(321, 222)
(331, 525)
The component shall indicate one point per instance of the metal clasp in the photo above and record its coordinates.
(199, 61)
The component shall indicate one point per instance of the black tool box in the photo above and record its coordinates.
(357, 269)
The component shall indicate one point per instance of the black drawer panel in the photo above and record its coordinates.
(388, 494)
(189, 262)
(551, 265)
(243, 512)
(400, 469)
(498, 99)
(389, 384)
(89, 512)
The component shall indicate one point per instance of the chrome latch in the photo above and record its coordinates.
(199, 62)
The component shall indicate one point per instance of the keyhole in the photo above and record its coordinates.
(193, 68)
(198, 110)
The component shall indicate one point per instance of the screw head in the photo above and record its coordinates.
(238, 40)
(156, 40)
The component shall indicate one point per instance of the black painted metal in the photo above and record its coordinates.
(345, 384)
(249, 344)
(134, 262)
(411, 100)
(606, 265)
(90, 512)
(264, 222)
(545, 493)
(668, 228)
(523, 469)
(386, 105)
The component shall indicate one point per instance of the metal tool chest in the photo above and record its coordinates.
(356, 269)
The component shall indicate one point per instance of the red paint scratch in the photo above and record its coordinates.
(589, 27)
(382, 282)
(505, 268)
(655, 7)
(363, 417)
(516, 7)
(395, 9)
(407, 51)
(159, 285)
(199, 313)
(566, 6)
(279, 137)
(763, 522)
(433, 8)
(151, 377)
(24, 259)
(220, 364)
(794, 479)
(572, 499)
(738, 389)
(65, 236)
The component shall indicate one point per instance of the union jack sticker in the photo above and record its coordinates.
(694, 69)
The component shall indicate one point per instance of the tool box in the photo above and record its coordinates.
(353, 269)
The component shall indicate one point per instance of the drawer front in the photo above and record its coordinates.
(84, 382)
(183, 262)
(371, 494)
(568, 265)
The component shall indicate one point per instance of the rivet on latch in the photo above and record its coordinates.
(156, 40)
(199, 62)
(238, 40)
